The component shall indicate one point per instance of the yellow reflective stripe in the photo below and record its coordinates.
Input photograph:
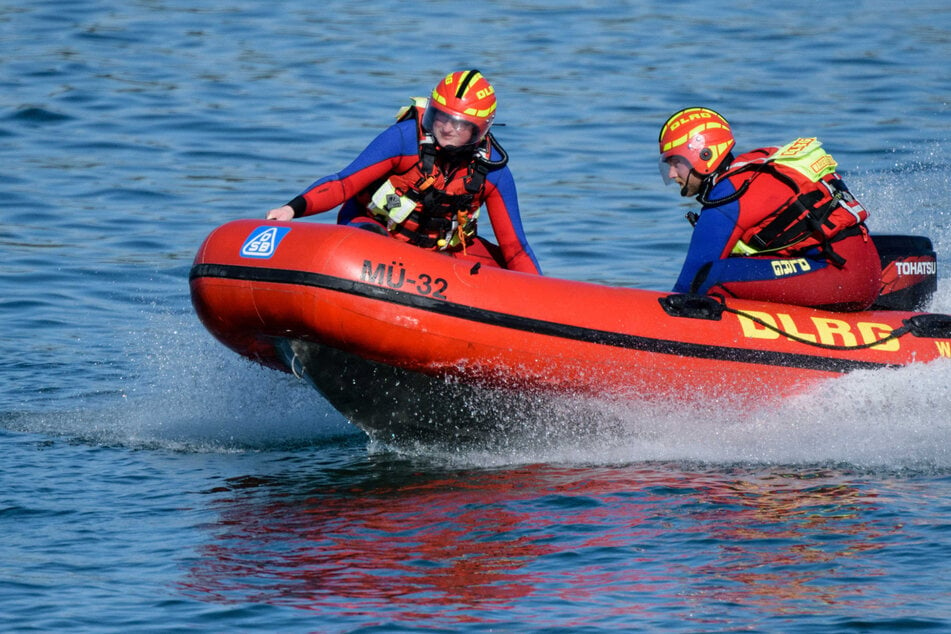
(741, 248)
(697, 129)
(472, 112)
(675, 143)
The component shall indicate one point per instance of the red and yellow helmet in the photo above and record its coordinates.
(463, 96)
(700, 136)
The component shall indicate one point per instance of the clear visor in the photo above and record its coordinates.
(459, 131)
(671, 166)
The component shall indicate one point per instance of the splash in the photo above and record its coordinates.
(911, 198)
(187, 392)
(896, 419)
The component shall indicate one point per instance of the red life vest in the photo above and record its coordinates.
(820, 209)
(434, 206)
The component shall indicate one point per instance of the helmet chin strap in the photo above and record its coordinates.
(683, 190)
(454, 154)
(703, 182)
(454, 149)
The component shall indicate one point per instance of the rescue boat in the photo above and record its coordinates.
(411, 344)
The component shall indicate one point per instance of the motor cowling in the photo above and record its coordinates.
(909, 272)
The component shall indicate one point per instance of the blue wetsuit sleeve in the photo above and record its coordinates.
(712, 239)
(501, 203)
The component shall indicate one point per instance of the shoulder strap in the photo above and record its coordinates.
(804, 155)
(427, 145)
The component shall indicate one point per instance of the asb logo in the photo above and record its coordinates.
(263, 241)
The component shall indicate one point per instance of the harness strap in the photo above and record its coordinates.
(452, 217)
(437, 224)
(803, 218)
(783, 230)
(427, 157)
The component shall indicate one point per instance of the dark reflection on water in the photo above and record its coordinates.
(653, 540)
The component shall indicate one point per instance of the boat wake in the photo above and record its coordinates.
(889, 419)
(185, 391)
(895, 419)
(892, 419)
(210, 400)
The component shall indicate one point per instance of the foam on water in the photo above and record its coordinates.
(889, 420)
(188, 392)
(185, 391)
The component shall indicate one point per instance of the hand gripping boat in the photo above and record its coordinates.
(409, 343)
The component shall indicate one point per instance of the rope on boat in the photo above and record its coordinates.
(932, 325)
(894, 334)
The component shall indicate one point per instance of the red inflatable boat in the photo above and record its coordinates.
(405, 341)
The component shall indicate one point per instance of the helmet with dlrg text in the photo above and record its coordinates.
(699, 136)
(465, 98)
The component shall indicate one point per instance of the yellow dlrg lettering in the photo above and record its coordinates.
(790, 327)
(944, 348)
(693, 116)
(828, 329)
(873, 332)
(754, 330)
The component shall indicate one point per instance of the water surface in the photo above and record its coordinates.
(152, 480)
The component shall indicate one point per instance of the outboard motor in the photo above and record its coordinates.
(909, 272)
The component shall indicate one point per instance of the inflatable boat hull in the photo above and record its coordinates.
(398, 338)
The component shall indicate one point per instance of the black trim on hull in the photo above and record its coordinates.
(527, 324)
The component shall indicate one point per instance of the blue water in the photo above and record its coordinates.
(152, 480)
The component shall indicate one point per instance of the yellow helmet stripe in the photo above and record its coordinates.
(702, 127)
